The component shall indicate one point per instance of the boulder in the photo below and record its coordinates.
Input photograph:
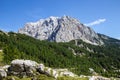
(54, 73)
(6, 67)
(41, 68)
(30, 67)
(3, 74)
(47, 71)
(98, 78)
(51, 72)
(22, 67)
(67, 73)
(17, 66)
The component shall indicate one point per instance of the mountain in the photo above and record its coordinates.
(61, 29)
(109, 40)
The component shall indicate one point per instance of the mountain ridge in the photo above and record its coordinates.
(61, 29)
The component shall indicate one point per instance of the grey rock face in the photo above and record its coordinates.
(62, 29)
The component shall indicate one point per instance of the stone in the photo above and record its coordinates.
(98, 78)
(67, 73)
(22, 67)
(17, 66)
(6, 67)
(3, 74)
(48, 71)
(41, 68)
(54, 73)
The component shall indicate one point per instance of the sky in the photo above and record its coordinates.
(103, 16)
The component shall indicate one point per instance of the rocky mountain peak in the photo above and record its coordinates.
(60, 29)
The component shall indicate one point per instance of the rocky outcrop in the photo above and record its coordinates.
(28, 68)
(54, 72)
(61, 29)
(98, 78)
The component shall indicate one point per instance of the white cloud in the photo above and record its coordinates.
(99, 21)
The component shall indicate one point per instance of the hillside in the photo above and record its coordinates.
(79, 57)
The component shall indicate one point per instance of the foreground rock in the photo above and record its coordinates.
(3, 74)
(28, 68)
(22, 68)
(54, 72)
(98, 78)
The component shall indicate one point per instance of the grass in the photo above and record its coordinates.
(40, 77)
(15, 78)
(44, 77)
(72, 78)
(1, 58)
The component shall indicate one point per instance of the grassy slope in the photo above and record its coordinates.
(59, 55)
(1, 58)
(44, 77)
